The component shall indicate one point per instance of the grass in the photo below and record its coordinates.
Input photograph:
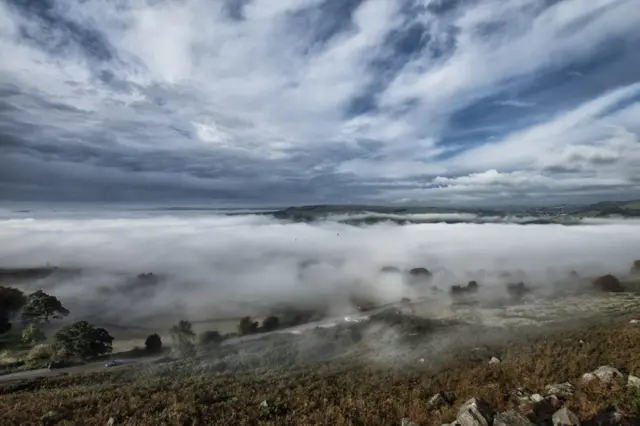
(345, 390)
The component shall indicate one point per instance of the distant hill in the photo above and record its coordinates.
(610, 208)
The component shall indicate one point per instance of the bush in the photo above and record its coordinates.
(153, 343)
(32, 334)
(182, 335)
(41, 352)
(270, 324)
(247, 326)
(210, 338)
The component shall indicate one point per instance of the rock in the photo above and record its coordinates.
(511, 418)
(607, 374)
(111, 421)
(436, 401)
(264, 403)
(634, 321)
(475, 412)
(494, 360)
(588, 377)
(562, 389)
(471, 287)
(633, 381)
(536, 397)
(608, 283)
(407, 422)
(610, 417)
(565, 417)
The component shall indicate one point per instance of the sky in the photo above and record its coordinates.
(455, 102)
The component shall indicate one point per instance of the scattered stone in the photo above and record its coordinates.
(608, 283)
(111, 421)
(407, 422)
(475, 412)
(536, 397)
(562, 389)
(436, 401)
(511, 418)
(494, 360)
(609, 417)
(633, 381)
(565, 417)
(264, 403)
(607, 374)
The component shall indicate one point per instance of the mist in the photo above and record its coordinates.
(219, 266)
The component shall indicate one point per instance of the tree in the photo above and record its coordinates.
(270, 323)
(153, 344)
(83, 340)
(12, 301)
(32, 334)
(210, 338)
(41, 306)
(247, 326)
(183, 336)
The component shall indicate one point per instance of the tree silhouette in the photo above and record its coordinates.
(83, 340)
(12, 301)
(153, 344)
(41, 307)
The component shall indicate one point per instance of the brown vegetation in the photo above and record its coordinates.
(344, 393)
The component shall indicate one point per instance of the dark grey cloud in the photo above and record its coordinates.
(319, 100)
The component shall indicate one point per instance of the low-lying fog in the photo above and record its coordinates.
(217, 266)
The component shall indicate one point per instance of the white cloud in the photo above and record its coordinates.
(266, 87)
(213, 262)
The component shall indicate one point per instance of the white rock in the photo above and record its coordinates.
(111, 421)
(407, 422)
(421, 360)
(633, 381)
(607, 374)
(565, 417)
(437, 401)
(511, 418)
(475, 412)
(589, 377)
(634, 321)
(536, 397)
(494, 360)
(563, 389)
(264, 403)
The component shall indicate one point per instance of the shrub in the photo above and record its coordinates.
(247, 326)
(270, 323)
(41, 352)
(182, 335)
(153, 343)
(32, 334)
(210, 338)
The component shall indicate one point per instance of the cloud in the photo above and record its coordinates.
(317, 100)
(224, 265)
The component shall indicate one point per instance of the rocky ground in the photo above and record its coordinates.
(396, 369)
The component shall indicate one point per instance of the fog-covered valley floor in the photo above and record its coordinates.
(214, 266)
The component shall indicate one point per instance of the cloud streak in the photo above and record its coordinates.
(319, 101)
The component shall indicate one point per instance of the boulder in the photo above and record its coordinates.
(562, 389)
(633, 381)
(588, 377)
(511, 418)
(475, 412)
(608, 283)
(565, 417)
(607, 374)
